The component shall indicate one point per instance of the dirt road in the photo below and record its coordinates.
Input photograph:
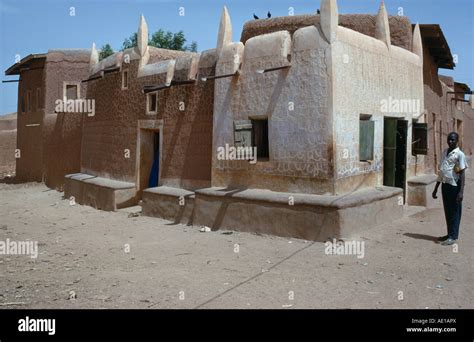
(111, 260)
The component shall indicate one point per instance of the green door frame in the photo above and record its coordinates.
(395, 152)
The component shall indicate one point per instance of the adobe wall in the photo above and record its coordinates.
(433, 93)
(186, 135)
(366, 72)
(62, 131)
(29, 167)
(300, 139)
(439, 105)
(468, 143)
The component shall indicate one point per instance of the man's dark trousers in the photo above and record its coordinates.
(452, 209)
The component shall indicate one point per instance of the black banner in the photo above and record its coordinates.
(63, 325)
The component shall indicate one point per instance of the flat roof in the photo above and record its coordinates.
(463, 86)
(400, 26)
(436, 43)
(24, 63)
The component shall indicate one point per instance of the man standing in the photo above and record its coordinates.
(451, 174)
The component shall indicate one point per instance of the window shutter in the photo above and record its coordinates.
(420, 138)
(242, 133)
(366, 140)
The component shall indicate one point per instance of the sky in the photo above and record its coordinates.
(34, 26)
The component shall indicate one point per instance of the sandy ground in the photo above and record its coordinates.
(175, 266)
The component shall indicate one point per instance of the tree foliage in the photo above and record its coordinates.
(105, 51)
(130, 42)
(163, 39)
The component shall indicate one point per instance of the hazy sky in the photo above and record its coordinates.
(34, 26)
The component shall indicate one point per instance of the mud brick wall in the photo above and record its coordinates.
(440, 108)
(29, 167)
(62, 132)
(187, 135)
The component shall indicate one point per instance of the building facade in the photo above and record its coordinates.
(152, 125)
(314, 126)
(48, 140)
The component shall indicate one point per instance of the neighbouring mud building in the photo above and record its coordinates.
(347, 113)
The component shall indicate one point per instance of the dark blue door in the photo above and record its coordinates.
(155, 168)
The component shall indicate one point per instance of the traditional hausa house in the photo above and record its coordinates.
(49, 136)
(152, 125)
(330, 111)
(311, 126)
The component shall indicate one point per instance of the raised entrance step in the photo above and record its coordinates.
(419, 190)
(98, 192)
(168, 203)
(311, 217)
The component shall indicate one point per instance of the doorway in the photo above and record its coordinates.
(149, 166)
(155, 167)
(395, 152)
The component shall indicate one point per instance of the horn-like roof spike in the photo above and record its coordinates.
(94, 55)
(382, 27)
(142, 36)
(329, 19)
(225, 31)
(417, 47)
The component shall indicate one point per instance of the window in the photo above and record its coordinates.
(71, 90)
(260, 138)
(151, 103)
(23, 104)
(124, 79)
(39, 100)
(366, 138)
(420, 138)
(28, 100)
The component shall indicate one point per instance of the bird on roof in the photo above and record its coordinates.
(318, 11)
(255, 17)
(269, 15)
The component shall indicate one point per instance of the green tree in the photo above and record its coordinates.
(130, 42)
(193, 47)
(163, 40)
(105, 51)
